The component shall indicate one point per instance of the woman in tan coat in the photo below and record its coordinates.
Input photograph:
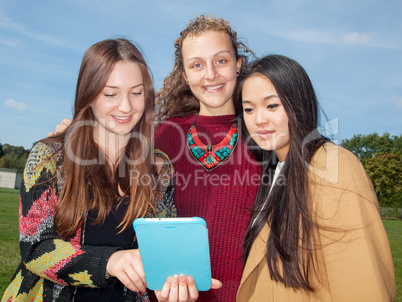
(316, 233)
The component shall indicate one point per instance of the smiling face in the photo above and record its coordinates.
(265, 116)
(120, 105)
(210, 68)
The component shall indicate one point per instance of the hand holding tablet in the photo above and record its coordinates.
(172, 247)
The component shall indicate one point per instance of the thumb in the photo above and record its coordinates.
(216, 284)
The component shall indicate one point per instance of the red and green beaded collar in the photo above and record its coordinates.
(210, 156)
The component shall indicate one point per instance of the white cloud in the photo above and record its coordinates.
(308, 36)
(11, 43)
(345, 36)
(17, 27)
(357, 38)
(329, 37)
(15, 105)
(397, 101)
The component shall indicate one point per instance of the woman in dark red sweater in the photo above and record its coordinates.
(216, 177)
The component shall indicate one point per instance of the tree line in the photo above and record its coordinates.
(381, 156)
(13, 157)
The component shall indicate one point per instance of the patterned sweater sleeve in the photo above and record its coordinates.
(43, 251)
(164, 193)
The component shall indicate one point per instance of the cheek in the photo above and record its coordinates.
(100, 106)
(139, 106)
(230, 74)
(281, 121)
(285, 124)
(193, 78)
(248, 122)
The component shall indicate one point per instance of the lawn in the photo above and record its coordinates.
(10, 257)
(9, 248)
(394, 232)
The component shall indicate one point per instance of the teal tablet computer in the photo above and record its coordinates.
(173, 246)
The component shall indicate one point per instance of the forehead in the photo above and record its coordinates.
(126, 72)
(258, 85)
(208, 42)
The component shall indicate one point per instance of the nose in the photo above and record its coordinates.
(260, 118)
(211, 72)
(125, 104)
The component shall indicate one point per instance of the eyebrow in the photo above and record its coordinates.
(265, 98)
(217, 54)
(116, 87)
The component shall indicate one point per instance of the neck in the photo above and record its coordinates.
(112, 144)
(226, 109)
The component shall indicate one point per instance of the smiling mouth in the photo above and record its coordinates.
(265, 133)
(214, 88)
(122, 119)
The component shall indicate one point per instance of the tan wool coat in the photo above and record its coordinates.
(353, 255)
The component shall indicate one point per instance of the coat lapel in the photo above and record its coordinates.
(257, 253)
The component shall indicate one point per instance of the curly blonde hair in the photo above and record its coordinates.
(175, 97)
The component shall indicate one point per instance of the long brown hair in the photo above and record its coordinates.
(291, 243)
(175, 97)
(90, 183)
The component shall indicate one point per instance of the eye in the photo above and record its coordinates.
(196, 65)
(109, 95)
(272, 106)
(137, 93)
(221, 61)
(248, 110)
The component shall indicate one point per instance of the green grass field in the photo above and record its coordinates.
(10, 257)
(9, 248)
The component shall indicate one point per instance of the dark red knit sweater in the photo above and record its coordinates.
(223, 196)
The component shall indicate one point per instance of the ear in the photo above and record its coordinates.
(238, 65)
(184, 75)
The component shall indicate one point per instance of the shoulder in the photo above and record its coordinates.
(42, 158)
(332, 163)
(175, 121)
(171, 133)
(337, 173)
(332, 152)
(44, 154)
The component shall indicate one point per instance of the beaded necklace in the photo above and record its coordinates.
(210, 156)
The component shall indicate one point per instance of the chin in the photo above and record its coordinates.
(264, 145)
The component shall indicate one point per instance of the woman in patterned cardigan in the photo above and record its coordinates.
(83, 188)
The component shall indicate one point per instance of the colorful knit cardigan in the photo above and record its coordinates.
(52, 268)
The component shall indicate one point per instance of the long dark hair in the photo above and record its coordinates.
(287, 208)
(90, 183)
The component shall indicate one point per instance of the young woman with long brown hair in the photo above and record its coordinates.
(83, 188)
(316, 232)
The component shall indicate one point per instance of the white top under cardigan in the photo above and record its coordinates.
(278, 170)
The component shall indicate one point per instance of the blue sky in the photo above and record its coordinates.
(352, 51)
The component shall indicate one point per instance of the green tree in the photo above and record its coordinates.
(385, 171)
(381, 156)
(13, 157)
(366, 146)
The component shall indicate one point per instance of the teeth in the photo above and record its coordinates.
(214, 87)
(121, 118)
